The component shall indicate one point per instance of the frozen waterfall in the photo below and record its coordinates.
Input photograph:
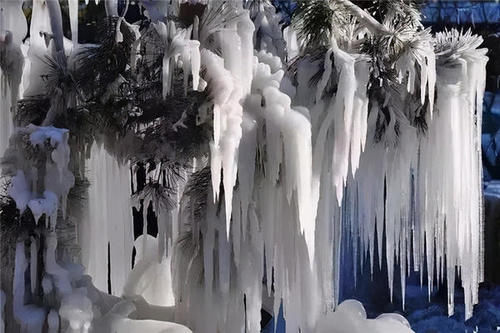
(302, 155)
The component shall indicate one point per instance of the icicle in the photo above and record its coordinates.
(13, 19)
(457, 230)
(60, 275)
(29, 317)
(195, 63)
(6, 121)
(19, 190)
(224, 256)
(53, 321)
(347, 111)
(33, 264)
(296, 199)
(298, 159)
(228, 115)
(73, 18)
(111, 7)
(55, 16)
(246, 163)
(343, 122)
(421, 54)
(13, 29)
(109, 209)
(166, 75)
(2, 309)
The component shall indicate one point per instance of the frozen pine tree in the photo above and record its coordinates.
(254, 144)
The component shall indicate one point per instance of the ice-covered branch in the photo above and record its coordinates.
(364, 17)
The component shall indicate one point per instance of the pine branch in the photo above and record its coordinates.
(195, 195)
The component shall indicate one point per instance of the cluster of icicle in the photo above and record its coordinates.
(294, 163)
(46, 195)
(432, 209)
(325, 164)
(71, 301)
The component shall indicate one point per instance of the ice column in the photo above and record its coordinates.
(2, 309)
(108, 221)
(231, 82)
(452, 174)
(13, 29)
(73, 17)
(29, 317)
(424, 189)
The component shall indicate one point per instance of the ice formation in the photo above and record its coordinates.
(13, 29)
(350, 316)
(107, 221)
(2, 307)
(293, 171)
(57, 179)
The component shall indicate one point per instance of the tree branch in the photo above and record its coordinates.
(364, 17)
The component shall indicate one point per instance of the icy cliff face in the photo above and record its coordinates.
(294, 169)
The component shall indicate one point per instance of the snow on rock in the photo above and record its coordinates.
(151, 278)
(77, 310)
(20, 191)
(58, 178)
(116, 320)
(350, 316)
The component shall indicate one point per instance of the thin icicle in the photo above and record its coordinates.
(73, 18)
(33, 264)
